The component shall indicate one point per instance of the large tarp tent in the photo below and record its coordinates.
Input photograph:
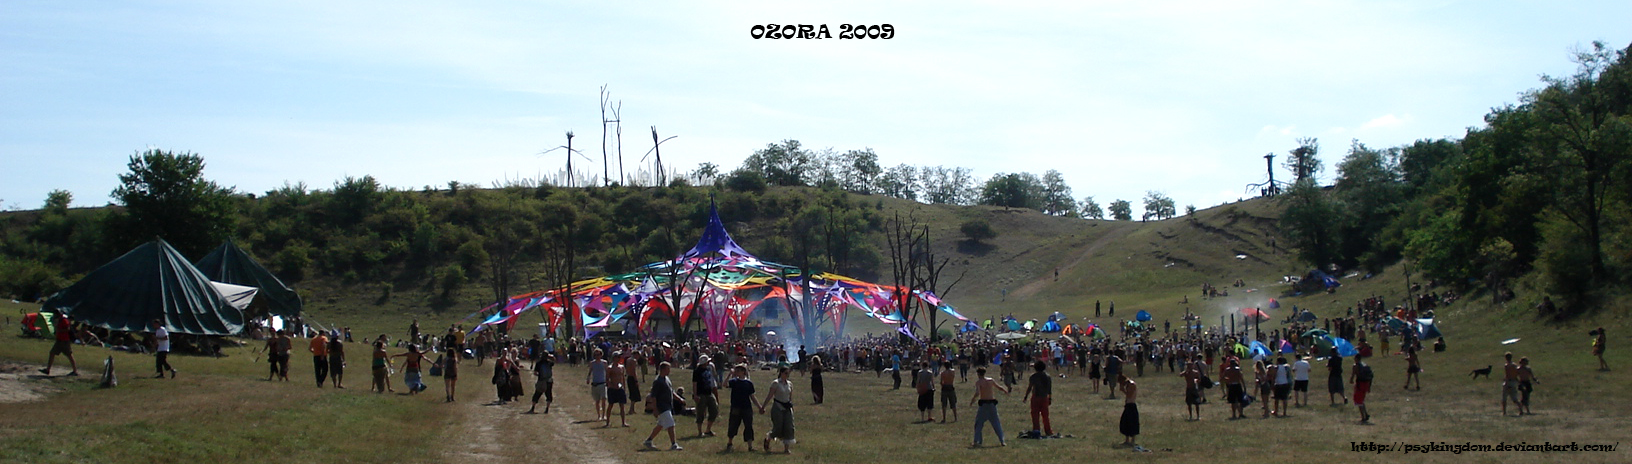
(153, 281)
(230, 264)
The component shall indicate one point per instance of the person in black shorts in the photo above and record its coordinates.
(923, 382)
(949, 397)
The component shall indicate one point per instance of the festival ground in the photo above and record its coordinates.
(224, 410)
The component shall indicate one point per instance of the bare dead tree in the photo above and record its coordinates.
(659, 154)
(570, 152)
(1269, 188)
(617, 122)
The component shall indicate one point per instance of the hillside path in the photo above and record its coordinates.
(489, 432)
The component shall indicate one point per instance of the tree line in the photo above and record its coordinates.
(1539, 198)
(790, 163)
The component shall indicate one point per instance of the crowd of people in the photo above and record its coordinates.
(620, 374)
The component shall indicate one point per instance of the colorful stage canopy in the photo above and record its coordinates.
(722, 284)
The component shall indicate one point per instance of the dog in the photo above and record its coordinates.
(1478, 372)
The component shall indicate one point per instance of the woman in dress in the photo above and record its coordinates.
(780, 398)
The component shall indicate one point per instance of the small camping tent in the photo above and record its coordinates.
(1142, 316)
(152, 281)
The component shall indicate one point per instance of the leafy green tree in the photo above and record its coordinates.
(1159, 206)
(977, 230)
(947, 186)
(1020, 190)
(57, 201)
(862, 171)
(1311, 222)
(1304, 161)
(901, 182)
(745, 180)
(783, 163)
(1368, 184)
(1057, 200)
(1584, 145)
(1090, 209)
(1121, 210)
(705, 173)
(166, 195)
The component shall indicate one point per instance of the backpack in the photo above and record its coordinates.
(1362, 373)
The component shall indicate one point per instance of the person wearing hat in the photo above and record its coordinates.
(705, 390)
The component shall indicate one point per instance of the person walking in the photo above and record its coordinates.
(64, 345)
(544, 370)
(922, 382)
(1300, 381)
(411, 369)
(381, 366)
(705, 394)
(337, 360)
(1510, 385)
(1413, 367)
(743, 403)
(1040, 391)
(319, 347)
(450, 375)
(1193, 397)
(780, 398)
(596, 378)
(663, 397)
(1282, 373)
(1334, 380)
(1527, 378)
(161, 350)
(1234, 388)
(1361, 378)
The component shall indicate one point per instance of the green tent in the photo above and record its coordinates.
(230, 264)
(153, 281)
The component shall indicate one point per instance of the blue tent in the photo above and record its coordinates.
(1259, 351)
(1343, 347)
(1427, 330)
(1050, 326)
(1142, 316)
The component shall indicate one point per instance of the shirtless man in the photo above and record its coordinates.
(986, 395)
(1510, 385)
(1130, 410)
(1234, 389)
(616, 392)
(949, 398)
(1526, 378)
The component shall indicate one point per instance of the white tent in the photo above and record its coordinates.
(236, 295)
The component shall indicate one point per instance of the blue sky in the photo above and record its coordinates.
(1183, 97)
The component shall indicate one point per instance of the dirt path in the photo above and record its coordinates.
(1035, 286)
(22, 382)
(489, 432)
